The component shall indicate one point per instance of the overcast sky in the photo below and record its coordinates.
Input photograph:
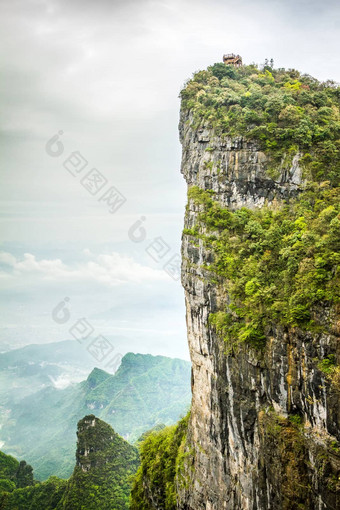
(107, 74)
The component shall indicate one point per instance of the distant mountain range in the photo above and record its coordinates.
(145, 391)
(33, 367)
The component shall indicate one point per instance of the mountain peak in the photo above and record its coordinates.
(101, 477)
(96, 377)
(95, 441)
(104, 464)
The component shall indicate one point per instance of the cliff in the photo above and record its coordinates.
(260, 250)
(246, 453)
(101, 478)
(104, 466)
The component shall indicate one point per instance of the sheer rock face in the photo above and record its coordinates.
(233, 168)
(240, 457)
(90, 442)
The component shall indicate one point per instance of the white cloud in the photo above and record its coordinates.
(106, 269)
(7, 258)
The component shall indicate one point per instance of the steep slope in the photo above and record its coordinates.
(260, 272)
(162, 457)
(145, 390)
(101, 478)
(105, 464)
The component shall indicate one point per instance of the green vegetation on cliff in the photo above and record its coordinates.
(279, 263)
(276, 265)
(285, 447)
(18, 490)
(103, 474)
(101, 479)
(284, 439)
(162, 454)
(286, 112)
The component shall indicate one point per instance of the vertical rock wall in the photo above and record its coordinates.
(244, 452)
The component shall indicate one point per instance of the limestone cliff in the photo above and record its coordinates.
(241, 450)
(101, 479)
(261, 302)
(104, 465)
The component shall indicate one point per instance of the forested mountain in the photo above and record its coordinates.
(145, 391)
(101, 478)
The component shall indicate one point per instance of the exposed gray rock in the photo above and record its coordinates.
(234, 168)
(240, 457)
